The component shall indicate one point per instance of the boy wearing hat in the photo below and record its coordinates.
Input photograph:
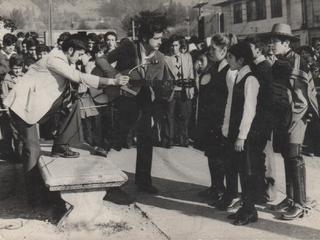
(294, 99)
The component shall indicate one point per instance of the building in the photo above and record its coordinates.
(312, 9)
(247, 17)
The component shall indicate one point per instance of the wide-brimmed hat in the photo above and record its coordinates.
(282, 30)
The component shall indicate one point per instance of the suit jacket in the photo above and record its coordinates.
(37, 90)
(186, 63)
(186, 70)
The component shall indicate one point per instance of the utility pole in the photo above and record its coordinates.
(188, 25)
(50, 23)
(201, 32)
(133, 31)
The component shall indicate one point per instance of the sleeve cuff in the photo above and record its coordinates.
(242, 135)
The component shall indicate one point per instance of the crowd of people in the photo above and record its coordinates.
(225, 96)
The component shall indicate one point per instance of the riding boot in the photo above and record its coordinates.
(289, 185)
(299, 190)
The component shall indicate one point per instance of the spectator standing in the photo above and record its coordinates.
(179, 105)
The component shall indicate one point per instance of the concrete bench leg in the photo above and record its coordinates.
(87, 209)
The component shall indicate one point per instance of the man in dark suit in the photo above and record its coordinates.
(151, 97)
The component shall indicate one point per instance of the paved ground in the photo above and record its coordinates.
(181, 173)
(177, 212)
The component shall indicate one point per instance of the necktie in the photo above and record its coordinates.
(178, 66)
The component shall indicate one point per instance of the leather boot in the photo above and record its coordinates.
(299, 182)
(288, 175)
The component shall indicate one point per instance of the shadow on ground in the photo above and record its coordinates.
(182, 197)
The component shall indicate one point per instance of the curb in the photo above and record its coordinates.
(145, 215)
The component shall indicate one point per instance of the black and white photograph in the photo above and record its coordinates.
(159, 119)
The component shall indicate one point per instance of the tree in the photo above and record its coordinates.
(17, 17)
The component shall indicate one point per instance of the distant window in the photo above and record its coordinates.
(276, 8)
(256, 10)
(316, 11)
(237, 12)
(221, 22)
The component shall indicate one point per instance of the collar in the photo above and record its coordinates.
(242, 72)
(144, 57)
(222, 65)
(259, 59)
(7, 55)
(59, 54)
(287, 55)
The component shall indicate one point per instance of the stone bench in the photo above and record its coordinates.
(83, 183)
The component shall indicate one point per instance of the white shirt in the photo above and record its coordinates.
(231, 77)
(251, 90)
(259, 59)
(144, 56)
(144, 60)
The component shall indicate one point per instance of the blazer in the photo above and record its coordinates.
(186, 63)
(37, 90)
(187, 69)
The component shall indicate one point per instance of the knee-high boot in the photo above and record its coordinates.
(299, 190)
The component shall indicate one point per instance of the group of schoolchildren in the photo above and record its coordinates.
(249, 100)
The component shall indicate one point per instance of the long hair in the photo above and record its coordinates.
(149, 23)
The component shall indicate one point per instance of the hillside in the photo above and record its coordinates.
(69, 14)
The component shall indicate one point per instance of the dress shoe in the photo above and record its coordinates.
(294, 212)
(148, 189)
(215, 197)
(284, 205)
(63, 151)
(235, 215)
(246, 217)
(98, 151)
(210, 193)
(228, 203)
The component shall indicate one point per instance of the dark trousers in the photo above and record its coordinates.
(231, 167)
(9, 144)
(69, 132)
(92, 131)
(128, 114)
(217, 173)
(214, 150)
(252, 170)
(144, 149)
(179, 111)
(147, 135)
